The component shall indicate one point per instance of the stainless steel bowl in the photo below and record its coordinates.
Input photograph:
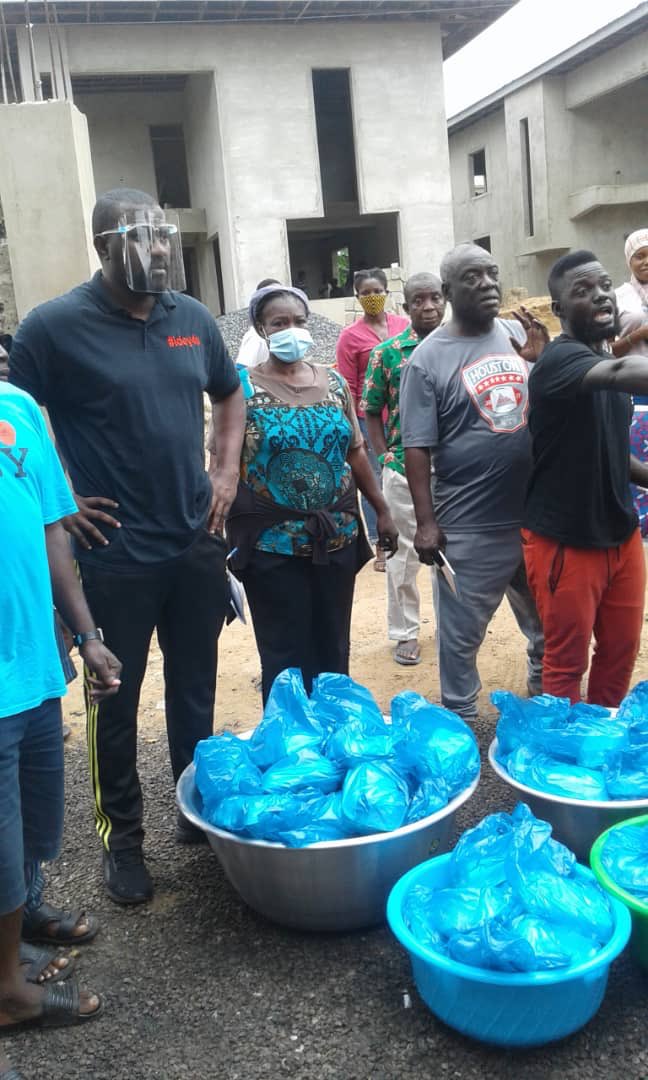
(575, 822)
(334, 885)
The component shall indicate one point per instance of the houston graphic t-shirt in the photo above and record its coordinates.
(466, 400)
(33, 494)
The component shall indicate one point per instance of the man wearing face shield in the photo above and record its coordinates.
(122, 363)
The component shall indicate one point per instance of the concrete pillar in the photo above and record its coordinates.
(207, 278)
(47, 194)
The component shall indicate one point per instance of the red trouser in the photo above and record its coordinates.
(580, 592)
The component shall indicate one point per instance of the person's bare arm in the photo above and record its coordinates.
(429, 537)
(638, 472)
(628, 374)
(628, 341)
(368, 486)
(376, 433)
(226, 433)
(71, 604)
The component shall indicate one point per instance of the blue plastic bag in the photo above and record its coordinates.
(625, 857)
(303, 769)
(538, 770)
(223, 767)
(626, 774)
(355, 742)
(433, 742)
(375, 798)
(326, 823)
(257, 817)
(337, 699)
(513, 900)
(525, 944)
(289, 722)
(430, 795)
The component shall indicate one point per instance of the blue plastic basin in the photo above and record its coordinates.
(519, 1009)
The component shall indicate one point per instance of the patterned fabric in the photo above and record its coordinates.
(382, 388)
(639, 447)
(296, 456)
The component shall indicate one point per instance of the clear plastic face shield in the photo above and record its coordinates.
(152, 250)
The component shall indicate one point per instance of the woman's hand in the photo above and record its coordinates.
(387, 533)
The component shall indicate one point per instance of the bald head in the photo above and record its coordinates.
(460, 255)
(424, 302)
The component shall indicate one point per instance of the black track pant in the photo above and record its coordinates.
(185, 600)
(301, 612)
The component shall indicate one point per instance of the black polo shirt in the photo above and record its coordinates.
(579, 490)
(125, 398)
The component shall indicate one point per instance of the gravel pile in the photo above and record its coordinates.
(324, 332)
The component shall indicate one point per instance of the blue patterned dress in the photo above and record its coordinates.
(295, 455)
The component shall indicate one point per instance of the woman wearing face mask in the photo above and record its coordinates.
(295, 523)
(632, 304)
(352, 356)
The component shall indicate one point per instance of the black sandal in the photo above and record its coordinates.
(36, 960)
(35, 923)
(61, 1008)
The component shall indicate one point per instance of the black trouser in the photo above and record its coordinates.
(301, 612)
(185, 600)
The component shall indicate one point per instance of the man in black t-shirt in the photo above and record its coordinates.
(122, 364)
(583, 550)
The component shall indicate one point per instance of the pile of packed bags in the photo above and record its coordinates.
(328, 766)
(578, 751)
(512, 900)
(625, 858)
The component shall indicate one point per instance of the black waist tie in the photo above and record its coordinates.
(251, 513)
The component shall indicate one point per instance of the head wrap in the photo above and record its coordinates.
(268, 290)
(635, 241)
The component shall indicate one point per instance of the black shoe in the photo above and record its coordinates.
(126, 877)
(186, 833)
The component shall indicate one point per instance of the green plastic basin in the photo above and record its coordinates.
(638, 908)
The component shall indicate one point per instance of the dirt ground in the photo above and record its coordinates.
(238, 703)
(198, 985)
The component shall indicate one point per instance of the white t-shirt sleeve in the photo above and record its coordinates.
(253, 349)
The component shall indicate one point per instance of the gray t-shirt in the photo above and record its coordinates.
(466, 400)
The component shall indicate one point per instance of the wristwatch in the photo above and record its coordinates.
(90, 635)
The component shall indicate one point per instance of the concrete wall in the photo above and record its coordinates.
(266, 126)
(120, 139)
(602, 142)
(47, 195)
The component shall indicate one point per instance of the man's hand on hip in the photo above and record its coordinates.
(81, 525)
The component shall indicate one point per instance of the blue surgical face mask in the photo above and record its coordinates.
(290, 345)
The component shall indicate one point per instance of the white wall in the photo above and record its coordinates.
(264, 105)
(602, 142)
(47, 195)
(120, 139)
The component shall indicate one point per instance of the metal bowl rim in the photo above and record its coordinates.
(331, 845)
(590, 804)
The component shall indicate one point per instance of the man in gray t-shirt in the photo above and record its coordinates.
(464, 399)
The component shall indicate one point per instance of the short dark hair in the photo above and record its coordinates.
(268, 281)
(563, 265)
(365, 275)
(109, 206)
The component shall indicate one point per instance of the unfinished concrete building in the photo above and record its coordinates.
(559, 158)
(283, 132)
